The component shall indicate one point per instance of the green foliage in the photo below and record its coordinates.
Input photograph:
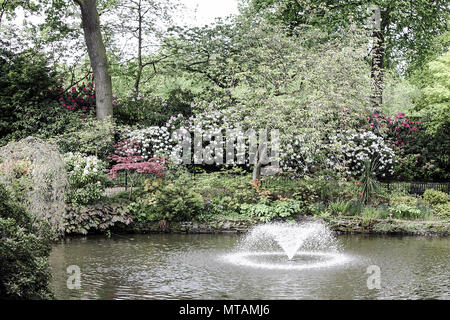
(24, 251)
(404, 211)
(225, 190)
(396, 199)
(369, 184)
(426, 158)
(424, 20)
(369, 213)
(170, 199)
(28, 99)
(435, 197)
(34, 170)
(436, 95)
(268, 212)
(94, 218)
(345, 208)
(340, 207)
(89, 137)
(442, 210)
(87, 178)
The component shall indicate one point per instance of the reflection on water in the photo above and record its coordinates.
(193, 267)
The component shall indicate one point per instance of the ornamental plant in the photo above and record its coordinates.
(127, 157)
(150, 142)
(80, 97)
(397, 129)
(87, 178)
(34, 171)
(359, 148)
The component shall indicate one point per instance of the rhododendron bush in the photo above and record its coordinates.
(80, 97)
(87, 177)
(306, 150)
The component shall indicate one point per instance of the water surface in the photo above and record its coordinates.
(174, 266)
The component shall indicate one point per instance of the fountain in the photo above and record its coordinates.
(304, 246)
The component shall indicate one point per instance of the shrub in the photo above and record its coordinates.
(442, 210)
(87, 178)
(339, 207)
(34, 170)
(98, 217)
(369, 184)
(79, 98)
(151, 141)
(403, 211)
(90, 137)
(360, 148)
(170, 200)
(24, 251)
(369, 212)
(403, 199)
(225, 190)
(137, 109)
(267, 212)
(435, 197)
(127, 158)
(27, 103)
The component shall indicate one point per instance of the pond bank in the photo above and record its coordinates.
(352, 225)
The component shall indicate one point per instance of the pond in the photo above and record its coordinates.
(180, 266)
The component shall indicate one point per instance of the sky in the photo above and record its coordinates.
(200, 12)
(196, 13)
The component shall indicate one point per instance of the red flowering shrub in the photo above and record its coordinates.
(80, 98)
(127, 158)
(397, 129)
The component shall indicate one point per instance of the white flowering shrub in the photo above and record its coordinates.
(304, 151)
(358, 148)
(87, 178)
(153, 141)
(301, 154)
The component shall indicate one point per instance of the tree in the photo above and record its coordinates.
(27, 104)
(97, 55)
(403, 35)
(139, 24)
(436, 95)
(59, 24)
(302, 84)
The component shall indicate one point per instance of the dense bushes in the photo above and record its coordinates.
(170, 200)
(426, 157)
(136, 109)
(89, 137)
(28, 97)
(440, 202)
(35, 173)
(24, 251)
(94, 218)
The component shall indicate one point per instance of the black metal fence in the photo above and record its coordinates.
(417, 187)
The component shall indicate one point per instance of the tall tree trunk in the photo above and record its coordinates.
(377, 70)
(380, 22)
(140, 66)
(97, 56)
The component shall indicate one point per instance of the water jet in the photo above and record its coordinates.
(303, 246)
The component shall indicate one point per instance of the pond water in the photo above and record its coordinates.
(171, 266)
